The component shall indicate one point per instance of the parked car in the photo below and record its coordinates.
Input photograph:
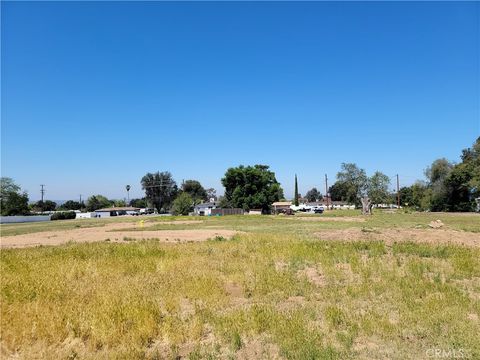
(146, 211)
(287, 212)
(318, 210)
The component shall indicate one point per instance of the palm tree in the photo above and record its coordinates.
(128, 194)
(296, 192)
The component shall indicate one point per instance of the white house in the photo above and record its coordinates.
(205, 209)
(116, 211)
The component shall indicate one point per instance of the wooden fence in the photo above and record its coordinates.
(223, 212)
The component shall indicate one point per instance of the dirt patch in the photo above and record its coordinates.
(291, 303)
(328, 219)
(180, 222)
(236, 294)
(281, 266)
(430, 236)
(122, 231)
(313, 276)
(187, 309)
(365, 344)
(174, 222)
(234, 290)
(470, 287)
(347, 274)
(436, 224)
(258, 348)
(473, 317)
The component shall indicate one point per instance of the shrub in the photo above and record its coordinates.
(183, 204)
(64, 215)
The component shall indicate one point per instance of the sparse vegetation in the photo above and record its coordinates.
(278, 290)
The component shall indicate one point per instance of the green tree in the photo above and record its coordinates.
(71, 205)
(295, 200)
(462, 184)
(406, 196)
(354, 182)
(378, 188)
(12, 200)
(195, 190)
(471, 159)
(458, 191)
(139, 203)
(211, 194)
(313, 195)
(96, 202)
(46, 205)
(438, 171)
(251, 187)
(182, 204)
(338, 191)
(119, 203)
(417, 196)
(436, 174)
(224, 203)
(7, 185)
(160, 189)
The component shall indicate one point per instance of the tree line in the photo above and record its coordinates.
(448, 187)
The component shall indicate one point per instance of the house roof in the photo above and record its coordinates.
(125, 208)
(206, 205)
(282, 203)
(315, 203)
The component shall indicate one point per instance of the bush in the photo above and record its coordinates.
(183, 204)
(64, 215)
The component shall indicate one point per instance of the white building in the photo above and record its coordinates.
(116, 211)
(87, 215)
(205, 209)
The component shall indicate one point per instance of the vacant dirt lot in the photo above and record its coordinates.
(431, 236)
(123, 231)
(286, 288)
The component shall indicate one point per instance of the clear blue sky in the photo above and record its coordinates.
(96, 94)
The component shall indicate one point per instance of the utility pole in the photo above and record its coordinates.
(326, 189)
(80, 199)
(42, 190)
(161, 185)
(398, 193)
(42, 193)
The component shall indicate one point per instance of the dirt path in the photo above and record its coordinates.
(430, 236)
(122, 230)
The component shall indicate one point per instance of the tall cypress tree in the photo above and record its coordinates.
(296, 191)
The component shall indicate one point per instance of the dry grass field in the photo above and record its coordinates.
(332, 286)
